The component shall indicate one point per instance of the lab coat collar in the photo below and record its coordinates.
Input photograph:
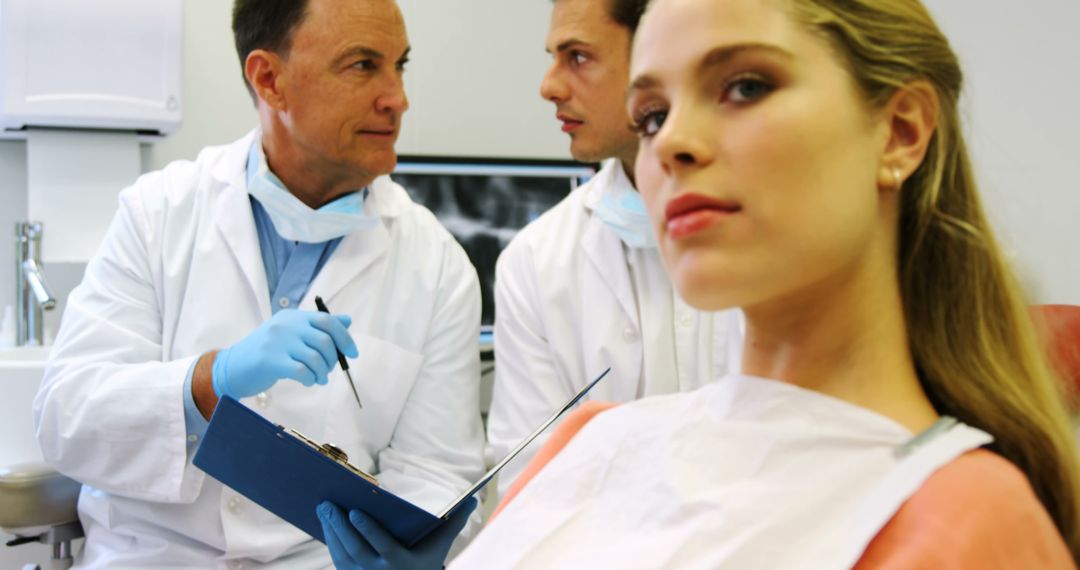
(356, 252)
(386, 199)
(230, 169)
(234, 218)
(360, 249)
(611, 175)
(603, 247)
(236, 223)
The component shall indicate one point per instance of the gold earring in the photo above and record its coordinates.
(896, 176)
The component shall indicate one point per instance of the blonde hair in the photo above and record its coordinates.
(970, 333)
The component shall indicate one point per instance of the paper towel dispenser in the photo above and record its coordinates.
(101, 64)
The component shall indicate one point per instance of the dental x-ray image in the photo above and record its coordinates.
(484, 202)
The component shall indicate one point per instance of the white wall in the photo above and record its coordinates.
(1023, 120)
(12, 211)
(473, 81)
(217, 108)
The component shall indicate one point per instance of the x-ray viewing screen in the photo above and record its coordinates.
(483, 202)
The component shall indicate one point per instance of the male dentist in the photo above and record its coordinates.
(583, 287)
(204, 287)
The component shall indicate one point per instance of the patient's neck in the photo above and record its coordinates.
(843, 337)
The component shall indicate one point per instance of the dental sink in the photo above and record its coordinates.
(28, 355)
(20, 376)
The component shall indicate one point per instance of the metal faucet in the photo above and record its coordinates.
(31, 292)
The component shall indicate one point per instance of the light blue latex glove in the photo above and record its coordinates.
(293, 344)
(360, 542)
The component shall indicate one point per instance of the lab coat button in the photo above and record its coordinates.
(234, 505)
(262, 399)
(283, 302)
(192, 438)
(629, 334)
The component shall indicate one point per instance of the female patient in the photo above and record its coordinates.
(803, 160)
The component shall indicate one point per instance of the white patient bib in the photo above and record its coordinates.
(744, 473)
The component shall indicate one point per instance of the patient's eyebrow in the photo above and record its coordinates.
(720, 55)
(715, 57)
(641, 83)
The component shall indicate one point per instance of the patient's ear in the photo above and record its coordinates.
(910, 120)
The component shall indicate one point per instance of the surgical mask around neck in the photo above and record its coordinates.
(294, 220)
(623, 211)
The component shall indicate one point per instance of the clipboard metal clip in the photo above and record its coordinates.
(331, 451)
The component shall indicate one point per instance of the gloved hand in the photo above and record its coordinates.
(293, 344)
(360, 542)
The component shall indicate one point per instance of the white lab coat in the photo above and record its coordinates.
(566, 310)
(180, 273)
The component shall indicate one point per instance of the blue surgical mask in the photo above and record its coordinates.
(294, 220)
(623, 211)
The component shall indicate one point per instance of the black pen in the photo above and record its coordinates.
(340, 357)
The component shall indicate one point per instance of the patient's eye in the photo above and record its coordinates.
(747, 89)
(649, 121)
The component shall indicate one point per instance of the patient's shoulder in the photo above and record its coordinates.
(562, 435)
(581, 416)
(979, 511)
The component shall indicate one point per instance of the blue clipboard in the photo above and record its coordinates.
(289, 475)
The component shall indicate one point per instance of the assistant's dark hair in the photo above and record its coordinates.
(265, 24)
(627, 13)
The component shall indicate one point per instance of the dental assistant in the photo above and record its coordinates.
(583, 288)
(204, 287)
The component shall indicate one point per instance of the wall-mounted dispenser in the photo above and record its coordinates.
(100, 64)
(84, 82)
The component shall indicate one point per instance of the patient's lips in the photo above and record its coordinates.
(689, 214)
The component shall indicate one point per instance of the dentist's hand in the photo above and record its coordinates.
(360, 542)
(293, 344)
